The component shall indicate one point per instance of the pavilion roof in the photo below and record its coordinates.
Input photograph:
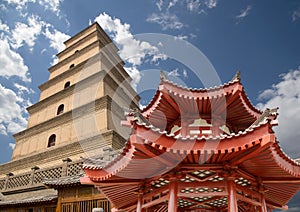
(228, 101)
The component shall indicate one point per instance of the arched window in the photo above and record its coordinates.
(72, 65)
(51, 141)
(67, 84)
(60, 109)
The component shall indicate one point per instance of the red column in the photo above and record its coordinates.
(232, 200)
(263, 207)
(173, 196)
(139, 203)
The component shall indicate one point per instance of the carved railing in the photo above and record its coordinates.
(35, 177)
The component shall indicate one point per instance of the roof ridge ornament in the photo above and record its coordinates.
(269, 115)
(163, 76)
(237, 76)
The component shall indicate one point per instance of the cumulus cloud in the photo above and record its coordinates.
(286, 96)
(11, 63)
(27, 33)
(193, 5)
(56, 38)
(134, 74)
(159, 4)
(132, 50)
(4, 27)
(22, 89)
(20, 4)
(211, 3)
(172, 3)
(12, 118)
(52, 5)
(166, 20)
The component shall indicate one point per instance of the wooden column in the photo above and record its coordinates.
(173, 195)
(263, 207)
(232, 199)
(139, 203)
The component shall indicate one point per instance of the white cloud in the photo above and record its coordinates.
(211, 3)
(4, 27)
(11, 63)
(56, 38)
(193, 5)
(244, 12)
(20, 4)
(172, 3)
(52, 5)
(165, 20)
(22, 89)
(286, 96)
(296, 14)
(174, 73)
(135, 75)
(267, 94)
(27, 33)
(185, 74)
(159, 4)
(12, 145)
(181, 37)
(132, 50)
(11, 113)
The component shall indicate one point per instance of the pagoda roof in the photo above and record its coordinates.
(228, 101)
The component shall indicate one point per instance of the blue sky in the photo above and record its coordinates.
(260, 38)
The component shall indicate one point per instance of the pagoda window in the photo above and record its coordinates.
(60, 109)
(51, 140)
(72, 65)
(67, 84)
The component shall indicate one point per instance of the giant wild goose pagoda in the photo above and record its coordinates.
(189, 149)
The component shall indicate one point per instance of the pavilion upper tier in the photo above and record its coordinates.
(184, 111)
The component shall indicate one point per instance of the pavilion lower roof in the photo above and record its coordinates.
(150, 154)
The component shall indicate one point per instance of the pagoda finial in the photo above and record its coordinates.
(237, 76)
(163, 76)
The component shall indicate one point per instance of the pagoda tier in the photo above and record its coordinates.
(169, 170)
(226, 105)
